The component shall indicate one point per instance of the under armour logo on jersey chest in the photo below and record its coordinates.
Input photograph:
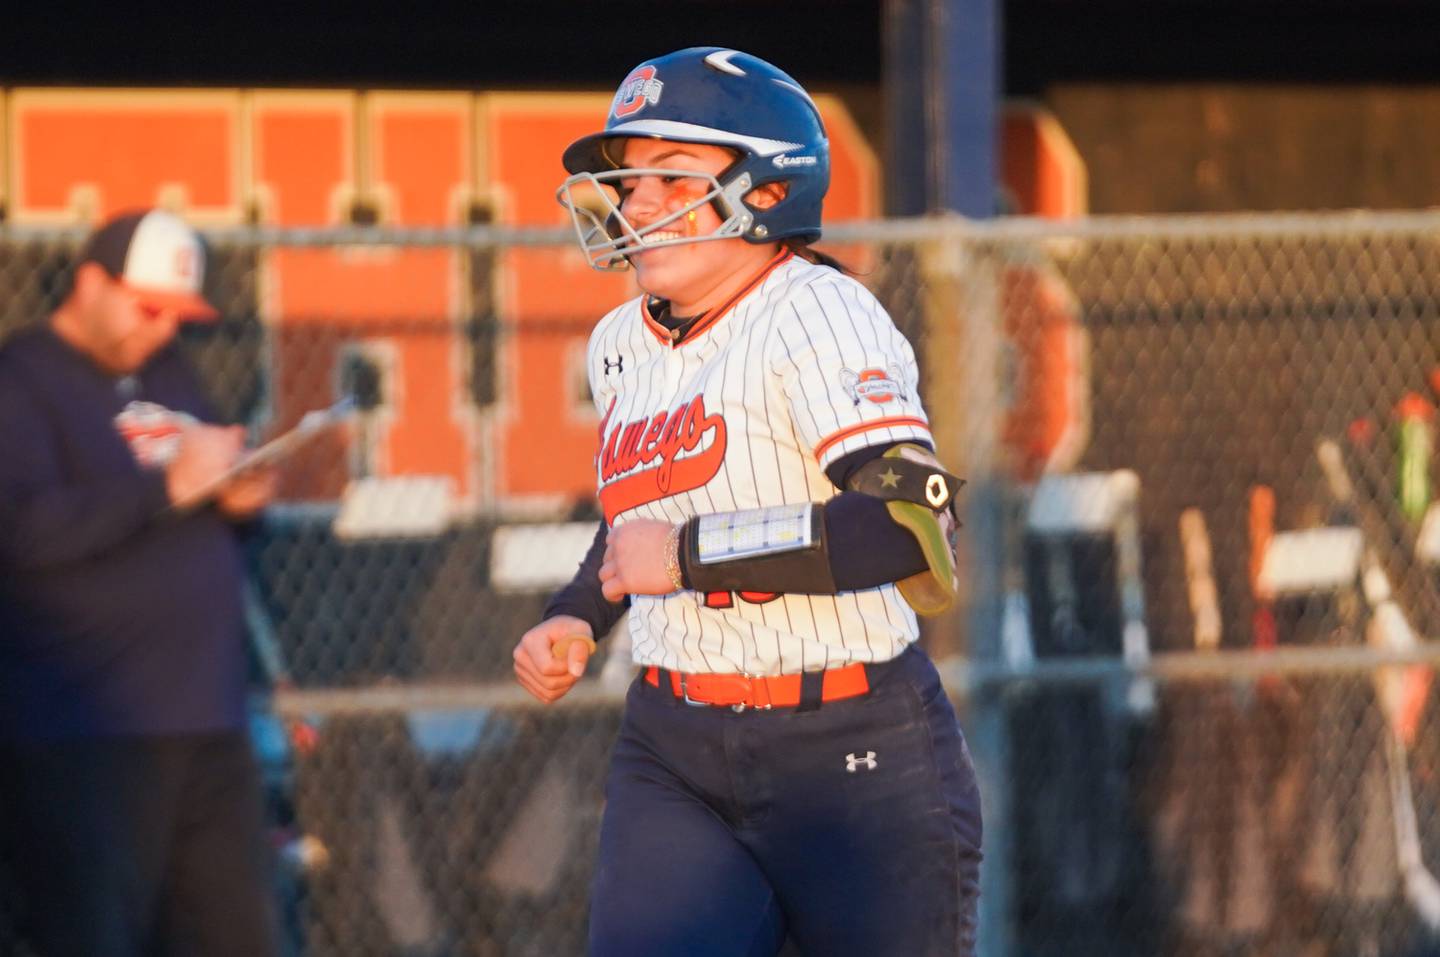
(617, 366)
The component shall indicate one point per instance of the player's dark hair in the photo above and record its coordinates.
(808, 253)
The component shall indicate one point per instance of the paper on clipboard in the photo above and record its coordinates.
(311, 424)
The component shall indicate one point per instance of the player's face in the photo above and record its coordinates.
(690, 275)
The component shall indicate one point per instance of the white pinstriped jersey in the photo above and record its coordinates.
(746, 411)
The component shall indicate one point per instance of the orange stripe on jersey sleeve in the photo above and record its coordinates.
(843, 434)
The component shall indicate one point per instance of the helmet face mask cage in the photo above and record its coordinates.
(608, 238)
(712, 96)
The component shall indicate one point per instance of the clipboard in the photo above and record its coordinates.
(311, 424)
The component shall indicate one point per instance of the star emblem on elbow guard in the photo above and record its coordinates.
(888, 479)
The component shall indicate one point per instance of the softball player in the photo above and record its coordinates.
(788, 763)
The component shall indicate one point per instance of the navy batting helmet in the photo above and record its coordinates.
(704, 95)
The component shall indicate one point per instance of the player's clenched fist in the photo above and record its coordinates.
(551, 657)
(634, 561)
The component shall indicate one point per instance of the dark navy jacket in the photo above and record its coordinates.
(116, 616)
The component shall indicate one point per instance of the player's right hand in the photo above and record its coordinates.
(547, 664)
(205, 453)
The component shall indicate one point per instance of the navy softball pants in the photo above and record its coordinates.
(851, 829)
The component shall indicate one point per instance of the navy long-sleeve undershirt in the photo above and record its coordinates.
(866, 549)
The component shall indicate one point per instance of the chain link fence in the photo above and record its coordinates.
(1202, 736)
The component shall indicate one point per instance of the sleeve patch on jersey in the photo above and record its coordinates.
(874, 385)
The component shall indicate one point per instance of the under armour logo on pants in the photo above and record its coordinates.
(853, 764)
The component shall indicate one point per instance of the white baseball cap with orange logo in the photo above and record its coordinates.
(158, 257)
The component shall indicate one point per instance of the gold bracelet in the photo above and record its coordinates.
(672, 557)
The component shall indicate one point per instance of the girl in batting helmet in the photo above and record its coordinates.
(788, 765)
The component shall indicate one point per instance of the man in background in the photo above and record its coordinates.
(129, 794)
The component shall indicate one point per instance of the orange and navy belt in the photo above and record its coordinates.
(741, 692)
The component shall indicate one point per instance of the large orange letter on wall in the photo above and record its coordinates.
(303, 169)
(547, 299)
(407, 159)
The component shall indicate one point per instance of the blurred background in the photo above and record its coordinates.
(1172, 271)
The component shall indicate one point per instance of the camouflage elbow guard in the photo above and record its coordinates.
(920, 496)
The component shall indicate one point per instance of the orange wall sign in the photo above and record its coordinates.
(314, 158)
